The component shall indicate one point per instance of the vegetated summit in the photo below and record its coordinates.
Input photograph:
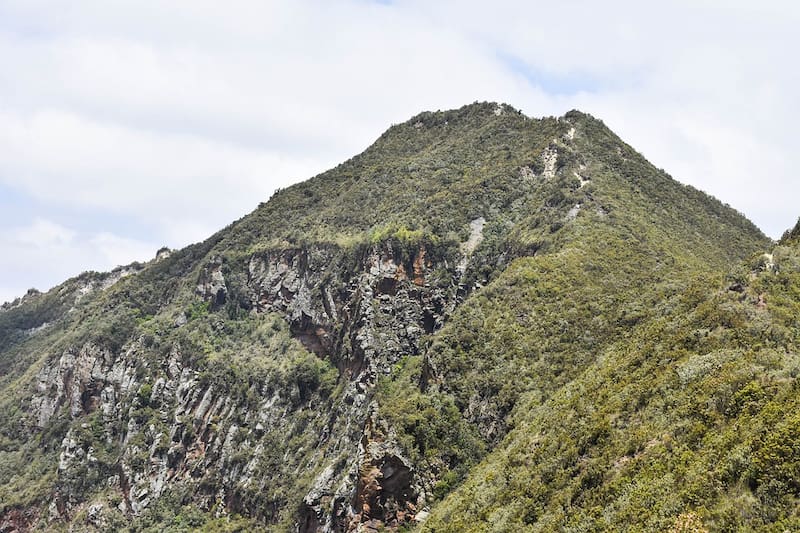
(484, 322)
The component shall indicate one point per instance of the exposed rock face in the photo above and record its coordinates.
(365, 326)
(361, 317)
(380, 489)
(83, 380)
(163, 253)
(366, 322)
(386, 494)
(211, 285)
(549, 160)
(204, 432)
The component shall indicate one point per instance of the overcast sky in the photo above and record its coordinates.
(129, 125)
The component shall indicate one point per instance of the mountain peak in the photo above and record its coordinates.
(475, 115)
(350, 353)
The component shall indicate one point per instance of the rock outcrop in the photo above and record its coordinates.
(362, 320)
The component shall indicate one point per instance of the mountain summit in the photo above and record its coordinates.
(484, 321)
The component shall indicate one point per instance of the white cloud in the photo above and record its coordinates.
(182, 116)
(41, 235)
(44, 253)
(66, 159)
(9, 294)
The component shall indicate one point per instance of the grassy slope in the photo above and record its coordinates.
(691, 413)
(433, 174)
(684, 416)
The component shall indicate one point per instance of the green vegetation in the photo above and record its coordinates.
(611, 355)
(548, 320)
(688, 410)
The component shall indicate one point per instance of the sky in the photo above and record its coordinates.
(128, 125)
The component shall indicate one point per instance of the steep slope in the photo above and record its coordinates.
(685, 422)
(341, 357)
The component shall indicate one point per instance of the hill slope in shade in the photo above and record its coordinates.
(483, 322)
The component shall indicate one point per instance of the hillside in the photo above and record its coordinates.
(484, 321)
(686, 420)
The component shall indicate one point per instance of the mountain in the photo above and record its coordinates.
(483, 322)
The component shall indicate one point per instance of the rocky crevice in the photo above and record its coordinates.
(362, 319)
(365, 326)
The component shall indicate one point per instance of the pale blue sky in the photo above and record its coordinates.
(125, 126)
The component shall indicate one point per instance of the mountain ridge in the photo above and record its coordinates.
(440, 118)
(347, 355)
